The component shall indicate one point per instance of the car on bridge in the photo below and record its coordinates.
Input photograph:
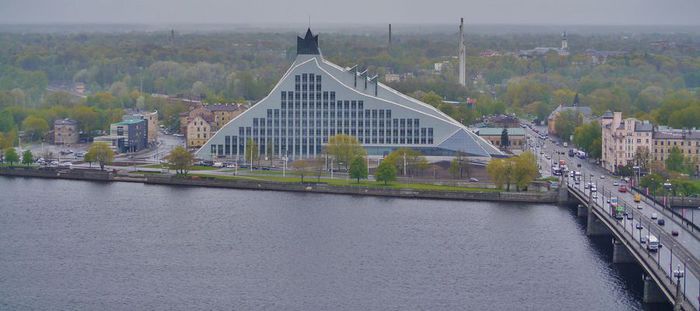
(653, 243)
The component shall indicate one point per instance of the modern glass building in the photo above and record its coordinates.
(316, 99)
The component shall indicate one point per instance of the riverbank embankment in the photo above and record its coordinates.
(310, 187)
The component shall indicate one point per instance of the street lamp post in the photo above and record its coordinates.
(284, 167)
(668, 187)
(678, 274)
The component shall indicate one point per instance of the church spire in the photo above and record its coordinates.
(308, 44)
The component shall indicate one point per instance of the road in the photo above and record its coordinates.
(605, 183)
(686, 245)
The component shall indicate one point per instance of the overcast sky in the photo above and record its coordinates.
(279, 12)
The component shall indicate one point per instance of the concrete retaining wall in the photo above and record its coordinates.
(77, 174)
(524, 197)
(96, 175)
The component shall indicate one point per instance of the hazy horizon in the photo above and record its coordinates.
(358, 12)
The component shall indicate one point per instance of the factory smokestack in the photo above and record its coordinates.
(462, 55)
(389, 34)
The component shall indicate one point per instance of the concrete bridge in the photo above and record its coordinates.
(662, 267)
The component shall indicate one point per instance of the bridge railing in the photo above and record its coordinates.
(690, 223)
(691, 273)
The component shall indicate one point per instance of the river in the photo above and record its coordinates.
(120, 246)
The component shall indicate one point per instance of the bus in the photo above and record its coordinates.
(619, 212)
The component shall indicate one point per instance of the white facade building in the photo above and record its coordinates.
(316, 99)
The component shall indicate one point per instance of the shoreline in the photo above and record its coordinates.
(210, 182)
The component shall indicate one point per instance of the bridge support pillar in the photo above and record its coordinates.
(563, 195)
(652, 292)
(620, 253)
(581, 210)
(595, 226)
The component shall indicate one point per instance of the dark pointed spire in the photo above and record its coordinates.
(308, 44)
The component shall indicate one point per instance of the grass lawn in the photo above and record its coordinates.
(352, 183)
(193, 168)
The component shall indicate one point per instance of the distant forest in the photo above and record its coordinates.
(657, 78)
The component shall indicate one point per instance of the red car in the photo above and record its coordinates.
(622, 188)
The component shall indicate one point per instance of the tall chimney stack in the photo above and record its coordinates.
(462, 55)
(390, 34)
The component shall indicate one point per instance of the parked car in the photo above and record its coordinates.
(472, 179)
(661, 222)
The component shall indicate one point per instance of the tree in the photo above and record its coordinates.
(180, 160)
(454, 168)
(386, 172)
(642, 158)
(407, 160)
(27, 157)
(588, 137)
(344, 148)
(519, 170)
(101, 153)
(459, 165)
(358, 168)
(524, 170)
(505, 141)
(566, 122)
(35, 127)
(501, 171)
(674, 162)
(303, 167)
(652, 181)
(11, 156)
(87, 117)
(252, 151)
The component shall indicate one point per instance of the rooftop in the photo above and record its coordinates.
(65, 121)
(222, 107)
(129, 122)
(497, 131)
(678, 134)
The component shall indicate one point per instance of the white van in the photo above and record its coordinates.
(218, 164)
(653, 244)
